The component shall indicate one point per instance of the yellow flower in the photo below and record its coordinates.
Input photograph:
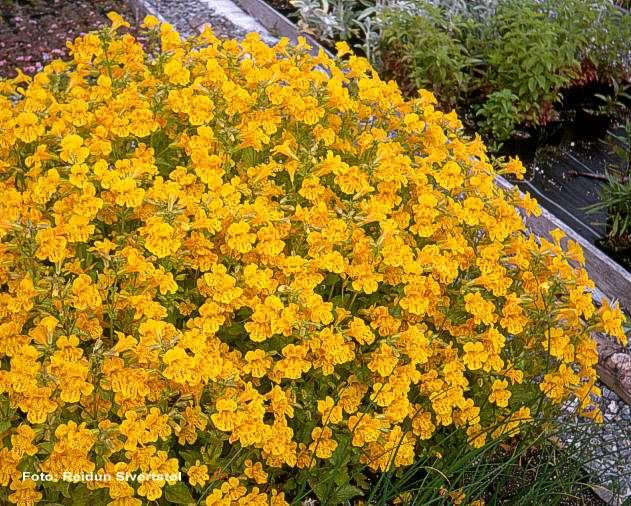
(258, 363)
(483, 311)
(323, 445)
(198, 474)
(127, 192)
(293, 365)
(176, 72)
(161, 239)
(117, 20)
(360, 331)
(24, 492)
(28, 127)
(499, 393)
(225, 418)
(449, 176)
(239, 237)
(475, 355)
(329, 412)
(22, 442)
(150, 21)
(383, 360)
(73, 150)
(515, 167)
(86, 295)
(255, 472)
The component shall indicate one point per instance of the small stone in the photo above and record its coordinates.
(613, 407)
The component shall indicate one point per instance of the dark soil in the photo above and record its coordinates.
(34, 32)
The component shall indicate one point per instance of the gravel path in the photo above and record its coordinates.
(189, 16)
(605, 448)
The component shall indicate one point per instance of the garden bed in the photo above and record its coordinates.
(34, 32)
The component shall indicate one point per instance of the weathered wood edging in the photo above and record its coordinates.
(277, 24)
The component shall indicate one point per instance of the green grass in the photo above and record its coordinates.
(531, 469)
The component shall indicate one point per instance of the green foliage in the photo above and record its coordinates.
(499, 115)
(529, 54)
(348, 20)
(539, 467)
(615, 196)
(497, 61)
(616, 104)
(432, 51)
(178, 494)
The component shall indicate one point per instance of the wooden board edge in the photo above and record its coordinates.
(611, 279)
(277, 24)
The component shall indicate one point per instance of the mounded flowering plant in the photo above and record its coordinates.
(265, 270)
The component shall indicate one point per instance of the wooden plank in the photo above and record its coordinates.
(277, 24)
(614, 366)
(613, 281)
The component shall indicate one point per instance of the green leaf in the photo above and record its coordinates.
(190, 456)
(362, 481)
(64, 489)
(82, 496)
(346, 493)
(214, 447)
(178, 494)
(321, 490)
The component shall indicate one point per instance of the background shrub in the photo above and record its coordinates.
(533, 50)
(431, 52)
(467, 51)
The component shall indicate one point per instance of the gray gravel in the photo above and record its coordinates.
(605, 448)
(189, 16)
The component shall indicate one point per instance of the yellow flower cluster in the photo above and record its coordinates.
(247, 264)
